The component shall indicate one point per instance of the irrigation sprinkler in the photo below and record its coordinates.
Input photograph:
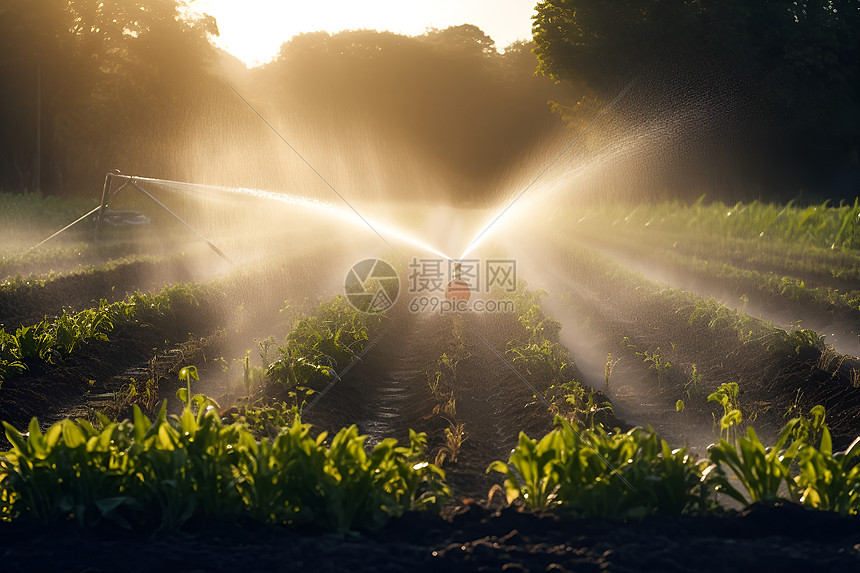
(103, 214)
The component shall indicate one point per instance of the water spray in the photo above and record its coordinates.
(306, 162)
(350, 216)
(480, 236)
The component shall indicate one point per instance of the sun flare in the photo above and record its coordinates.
(253, 30)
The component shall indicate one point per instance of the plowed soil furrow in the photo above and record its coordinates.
(840, 325)
(387, 393)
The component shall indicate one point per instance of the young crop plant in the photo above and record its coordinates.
(10, 357)
(455, 435)
(143, 474)
(592, 473)
(694, 384)
(607, 372)
(726, 395)
(761, 471)
(830, 481)
(543, 359)
(253, 377)
(661, 365)
(537, 326)
(826, 481)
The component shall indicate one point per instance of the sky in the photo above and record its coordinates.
(253, 30)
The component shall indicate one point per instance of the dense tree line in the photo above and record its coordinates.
(137, 85)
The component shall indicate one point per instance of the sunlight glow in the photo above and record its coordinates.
(253, 30)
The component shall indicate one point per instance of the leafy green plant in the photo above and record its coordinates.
(264, 418)
(136, 392)
(761, 471)
(658, 363)
(449, 451)
(830, 481)
(10, 357)
(607, 372)
(163, 472)
(543, 359)
(726, 395)
(693, 385)
(536, 325)
(596, 474)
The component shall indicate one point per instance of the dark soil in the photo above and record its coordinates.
(781, 538)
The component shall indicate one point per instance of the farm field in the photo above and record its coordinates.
(228, 399)
(533, 285)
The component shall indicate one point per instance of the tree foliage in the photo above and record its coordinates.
(795, 62)
(102, 70)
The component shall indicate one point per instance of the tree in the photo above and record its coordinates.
(791, 66)
(107, 70)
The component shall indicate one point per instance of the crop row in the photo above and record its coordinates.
(817, 265)
(44, 262)
(539, 355)
(692, 344)
(51, 341)
(744, 282)
(144, 473)
(639, 296)
(444, 384)
(23, 299)
(595, 473)
(164, 472)
(824, 226)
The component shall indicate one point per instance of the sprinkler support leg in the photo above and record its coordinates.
(103, 206)
(181, 220)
